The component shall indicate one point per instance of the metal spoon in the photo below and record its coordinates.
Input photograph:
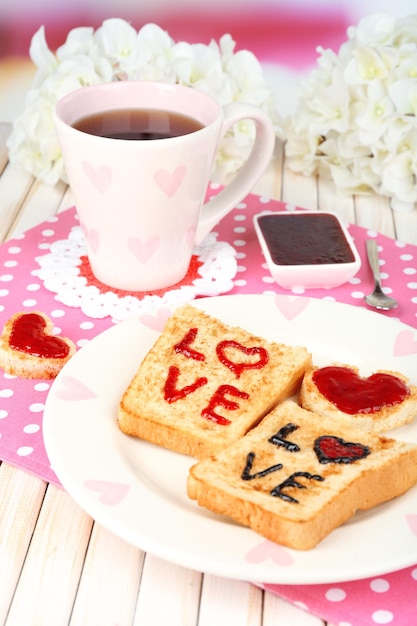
(377, 299)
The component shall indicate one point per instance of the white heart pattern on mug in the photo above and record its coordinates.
(143, 250)
(100, 176)
(169, 182)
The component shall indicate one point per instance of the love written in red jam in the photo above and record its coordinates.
(257, 358)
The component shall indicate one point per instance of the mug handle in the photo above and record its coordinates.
(249, 174)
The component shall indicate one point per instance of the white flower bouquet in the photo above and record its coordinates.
(116, 51)
(356, 117)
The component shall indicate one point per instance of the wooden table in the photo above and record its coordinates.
(59, 567)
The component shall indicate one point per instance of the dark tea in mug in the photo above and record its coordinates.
(137, 124)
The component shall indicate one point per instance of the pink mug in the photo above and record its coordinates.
(140, 202)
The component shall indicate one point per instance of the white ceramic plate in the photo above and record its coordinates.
(138, 490)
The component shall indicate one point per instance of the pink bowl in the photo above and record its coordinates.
(307, 249)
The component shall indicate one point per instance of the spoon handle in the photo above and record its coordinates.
(372, 251)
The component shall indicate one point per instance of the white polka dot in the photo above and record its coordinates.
(355, 281)
(33, 287)
(357, 295)
(412, 285)
(6, 393)
(10, 263)
(3, 414)
(24, 451)
(239, 242)
(239, 229)
(41, 386)
(44, 246)
(241, 268)
(29, 302)
(414, 574)
(86, 325)
(48, 232)
(264, 200)
(31, 428)
(82, 342)
(14, 250)
(335, 595)
(241, 205)
(406, 257)
(267, 279)
(379, 585)
(6, 278)
(4, 292)
(36, 407)
(241, 255)
(382, 617)
(240, 218)
(57, 313)
(240, 283)
(298, 290)
(409, 271)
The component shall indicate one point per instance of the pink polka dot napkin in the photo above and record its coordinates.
(239, 267)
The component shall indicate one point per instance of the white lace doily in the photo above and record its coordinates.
(60, 273)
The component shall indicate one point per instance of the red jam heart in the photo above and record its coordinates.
(28, 335)
(352, 394)
(330, 449)
(238, 368)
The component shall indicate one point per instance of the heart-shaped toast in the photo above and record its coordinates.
(381, 401)
(29, 349)
(352, 393)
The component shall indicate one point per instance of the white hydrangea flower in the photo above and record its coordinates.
(116, 51)
(356, 119)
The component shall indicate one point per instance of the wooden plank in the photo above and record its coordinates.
(51, 572)
(110, 581)
(270, 185)
(169, 594)
(41, 203)
(5, 130)
(225, 602)
(406, 226)
(21, 499)
(278, 611)
(299, 190)
(374, 213)
(331, 200)
(14, 188)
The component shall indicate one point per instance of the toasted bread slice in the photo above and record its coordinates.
(204, 384)
(29, 349)
(381, 402)
(297, 476)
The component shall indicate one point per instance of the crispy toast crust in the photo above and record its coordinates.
(328, 492)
